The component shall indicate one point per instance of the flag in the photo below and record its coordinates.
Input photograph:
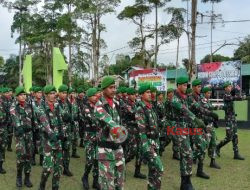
(27, 73)
(59, 66)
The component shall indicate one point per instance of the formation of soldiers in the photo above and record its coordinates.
(50, 123)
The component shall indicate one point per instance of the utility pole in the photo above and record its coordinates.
(212, 25)
(192, 70)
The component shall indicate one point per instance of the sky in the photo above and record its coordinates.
(119, 33)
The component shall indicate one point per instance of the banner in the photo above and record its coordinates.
(27, 73)
(217, 73)
(59, 66)
(156, 78)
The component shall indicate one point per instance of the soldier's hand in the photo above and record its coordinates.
(199, 123)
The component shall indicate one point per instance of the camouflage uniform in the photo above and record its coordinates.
(231, 124)
(80, 104)
(111, 162)
(149, 134)
(171, 123)
(3, 135)
(90, 141)
(52, 144)
(22, 117)
(67, 119)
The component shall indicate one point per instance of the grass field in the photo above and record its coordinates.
(233, 175)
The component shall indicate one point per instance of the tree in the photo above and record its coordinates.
(1, 61)
(216, 58)
(243, 52)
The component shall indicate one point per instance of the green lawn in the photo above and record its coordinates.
(233, 175)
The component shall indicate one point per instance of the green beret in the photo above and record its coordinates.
(98, 89)
(206, 89)
(107, 81)
(160, 92)
(91, 92)
(80, 90)
(153, 89)
(182, 80)
(5, 90)
(189, 90)
(71, 90)
(170, 90)
(226, 84)
(123, 89)
(196, 82)
(131, 91)
(48, 89)
(37, 89)
(143, 88)
(19, 90)
(63, 88)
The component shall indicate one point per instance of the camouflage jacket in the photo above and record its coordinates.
(3, 118)
(80, 105)
(147, 122)
(74, 112)
(6, 104)
(129, 117)
(67, 117)
(160, 110)
(91, 123)
(37, 105)
(182, 114)
(108, 116)
(229, 104)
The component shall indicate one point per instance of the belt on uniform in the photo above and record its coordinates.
(110, 145)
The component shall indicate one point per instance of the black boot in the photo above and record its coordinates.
(27, 181)
(237, 156)
(75, 155)
(67, 172)
(85, 182)
(2, 171)
(213, 164)
(200, 173)
(95, 183)
(217, 150)
(81, 143)
(33, 160)
(41, 160)
(19, 182)
(43, 182)
(175, 156)
(186, 183)
(55, 188)
(138, 173)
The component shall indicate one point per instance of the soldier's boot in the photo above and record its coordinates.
(74, 154)
(237, 156)
(200, 173)
(55, 188)
(138, 173)
(33, 159)
(194, 161)
(27, 181)
(43, 182)
(2, 171)
(66, 171)
(176, 156)
(81, 143)
(19, 182)
(186, 183)
(217, 150)
(213, 164)
(41, 160)
(95, 183)
(9, 144)
(85, 181)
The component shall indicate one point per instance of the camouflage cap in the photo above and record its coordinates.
(91, 92)
(63, 88)
(131, 91)
(48, 89)
(107, 81)
(206, 89)
(196, 82)
(143, 88)
(182, 80)
(19, 90)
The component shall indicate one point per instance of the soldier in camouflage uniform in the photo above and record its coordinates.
(160, 111)
(182, 117)
(231, 123)
(38, 103)
(170, 122)
(210, 129)
(200, 142)
(133, 141)
(90, 139)
(21, 113)
(53, 135)
(111, 162)
(67, 124)
(149, 132)
(7, 98)
(80, 102)
(75, 122)
(3, 131)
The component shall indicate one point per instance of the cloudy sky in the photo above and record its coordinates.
(120, 32)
